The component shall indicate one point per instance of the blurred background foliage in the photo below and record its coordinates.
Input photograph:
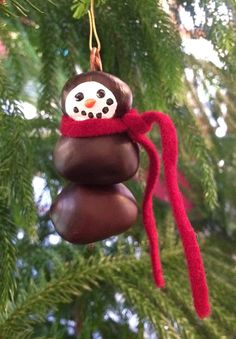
(51, 289)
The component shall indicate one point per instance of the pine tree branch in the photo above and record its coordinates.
(8, 258)
(21, 7)
(78, 277)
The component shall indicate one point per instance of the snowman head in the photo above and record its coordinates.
(95, 95)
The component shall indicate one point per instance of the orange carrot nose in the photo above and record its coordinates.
(90, 103)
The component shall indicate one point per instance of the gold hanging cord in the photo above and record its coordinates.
(95, 59)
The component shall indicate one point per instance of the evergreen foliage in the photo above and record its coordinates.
(67, 291)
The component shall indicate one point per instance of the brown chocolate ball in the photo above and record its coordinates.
(120, 89)
(102, 160)
(85, 214)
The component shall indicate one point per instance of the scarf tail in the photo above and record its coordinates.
(147, 207)
(187, 234)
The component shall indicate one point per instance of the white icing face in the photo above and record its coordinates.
(90, 100)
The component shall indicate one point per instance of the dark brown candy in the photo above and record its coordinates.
(120, 89)
(85, 214)
(100, 160)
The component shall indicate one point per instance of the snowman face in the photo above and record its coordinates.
(90, 100)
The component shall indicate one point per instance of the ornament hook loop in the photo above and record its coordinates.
(95, 60)
(93, 29)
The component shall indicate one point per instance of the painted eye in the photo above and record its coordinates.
(100, 93)
(79, 96)
(109, 101)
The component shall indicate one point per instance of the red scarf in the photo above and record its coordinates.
(136, 126)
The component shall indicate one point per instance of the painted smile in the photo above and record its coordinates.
(92, 115)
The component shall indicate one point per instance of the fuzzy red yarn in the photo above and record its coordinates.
(136, 126)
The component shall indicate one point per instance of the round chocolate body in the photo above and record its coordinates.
(120, 89)
(85, 214)
(102, 160)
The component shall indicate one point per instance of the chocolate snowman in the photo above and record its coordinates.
(96, 205)
(96, 152)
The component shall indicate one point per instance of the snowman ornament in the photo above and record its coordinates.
(97, 151)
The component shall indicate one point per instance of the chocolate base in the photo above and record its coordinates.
(85, 214)
(100, 160)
